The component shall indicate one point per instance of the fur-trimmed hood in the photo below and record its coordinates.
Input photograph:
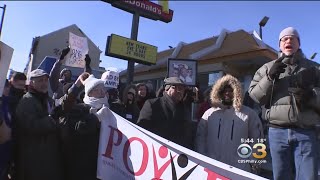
(220, 85)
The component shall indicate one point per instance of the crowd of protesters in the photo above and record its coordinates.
(57, 138)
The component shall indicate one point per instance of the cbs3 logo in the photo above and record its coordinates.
(245, 151)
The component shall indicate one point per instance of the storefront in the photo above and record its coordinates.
(237, 53)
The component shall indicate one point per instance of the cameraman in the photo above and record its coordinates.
(288, 87)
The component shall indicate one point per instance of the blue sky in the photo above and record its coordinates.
(192, 21)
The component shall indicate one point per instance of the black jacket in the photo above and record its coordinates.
(79, 133)
(166, 119)
(38, 149)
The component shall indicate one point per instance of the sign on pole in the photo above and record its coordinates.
(124, 48)
(78, 49)
(5, 59)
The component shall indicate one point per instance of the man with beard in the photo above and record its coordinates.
(223, 125)
(38, 155)
(164, 115)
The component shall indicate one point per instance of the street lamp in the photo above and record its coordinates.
(313, 56)
(262, 23)
(2, 18)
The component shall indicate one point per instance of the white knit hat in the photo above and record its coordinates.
(289, 31)
(90, 83)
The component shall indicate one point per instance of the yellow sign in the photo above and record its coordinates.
(165, 5)
(124, 48)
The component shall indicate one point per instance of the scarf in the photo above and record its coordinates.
(95, 103)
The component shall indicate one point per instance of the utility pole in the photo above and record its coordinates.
(134, 36)
(2, 18)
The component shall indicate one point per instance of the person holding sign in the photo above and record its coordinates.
(60, 82)
(79, 126)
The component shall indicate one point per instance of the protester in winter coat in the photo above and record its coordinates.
(17, 90)
(142, 95)
(131, 109)
(59, 79)
(63, 80)
(289, 88)
(5, 133)
(164, 115)
(205, 105)
(38, 155)
(226, 123)
(80, 128)
(151, 91)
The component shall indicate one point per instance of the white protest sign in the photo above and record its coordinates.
(110, 78)
(78, 50)
(5, 59)
(127, 151)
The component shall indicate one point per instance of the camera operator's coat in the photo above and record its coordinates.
(276, 97)
(221, 129)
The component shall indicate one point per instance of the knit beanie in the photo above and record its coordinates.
(90, 83)
(64, 70)
(289, 31)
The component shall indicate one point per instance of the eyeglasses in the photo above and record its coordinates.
(286, 38)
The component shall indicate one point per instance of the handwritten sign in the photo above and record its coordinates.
(128, 49)
(78, 50)
(5, 59)
(111, 79)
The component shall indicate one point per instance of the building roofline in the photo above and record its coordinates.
(71, 26)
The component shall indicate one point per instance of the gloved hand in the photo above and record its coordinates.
(276, 69)
(56, 112)
(64, 52)
(87, 60)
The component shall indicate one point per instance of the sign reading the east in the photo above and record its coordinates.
(124, 48)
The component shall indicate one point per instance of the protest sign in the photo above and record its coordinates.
(78, 50)
(5, 59)
(111, 79)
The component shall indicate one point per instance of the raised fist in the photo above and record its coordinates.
(64, 52)
(87, 60)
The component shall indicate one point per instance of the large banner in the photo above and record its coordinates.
(127, 151)
(5, 59)
(78, 50)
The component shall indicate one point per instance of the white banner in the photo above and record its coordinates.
(127, 151)
(5, 59)
(78, 50)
